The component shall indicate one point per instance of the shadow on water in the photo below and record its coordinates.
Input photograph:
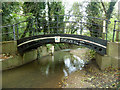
(45, 74)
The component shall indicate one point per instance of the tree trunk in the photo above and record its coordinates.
(49, 17)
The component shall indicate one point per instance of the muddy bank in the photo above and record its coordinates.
(82, 53)
(91, 76)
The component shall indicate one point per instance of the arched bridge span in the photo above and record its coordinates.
(33, 42)
(87, 31)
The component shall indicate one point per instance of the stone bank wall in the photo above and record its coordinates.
(16, 60)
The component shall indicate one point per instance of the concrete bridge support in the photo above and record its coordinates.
(10, 47)
(112, 58)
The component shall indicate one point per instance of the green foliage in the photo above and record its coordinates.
(76, 9)
(38, 12)
(92, 54)
(1, 10)
(34, 10)
(94, 9)
(110, 10)
(118, 86)
(110, 29)
(114, 16)
(8, 8)
(14, 12)
(61, 46)
(55, 8)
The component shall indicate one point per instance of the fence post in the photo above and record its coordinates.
(104, 29)
(17, 32)
(14, 32)
(117, 31)
(114, 31)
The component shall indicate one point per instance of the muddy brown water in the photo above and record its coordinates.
(46, 72)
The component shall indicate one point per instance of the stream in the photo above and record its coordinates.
(46, 72)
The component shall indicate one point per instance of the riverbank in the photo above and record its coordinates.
(83, 54)
(90, 76)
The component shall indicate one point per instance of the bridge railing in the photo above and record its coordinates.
(57, 24)
(117, 30)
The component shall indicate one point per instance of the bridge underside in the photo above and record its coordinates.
(33, 42)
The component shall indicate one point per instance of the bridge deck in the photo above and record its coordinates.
(96, 44)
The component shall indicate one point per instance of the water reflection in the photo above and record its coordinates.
(65, 72)
(73, 63)
(47, 70)
(44, 73)
(70, 63)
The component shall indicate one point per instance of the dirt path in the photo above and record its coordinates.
(91, 76)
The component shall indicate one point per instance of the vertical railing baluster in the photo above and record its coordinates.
(9, 28)
(81, 27)
(43, 27)
(114, 31)
(36, 27)
(30, 30)
(65, 32)
(14, 32)
(33, 27)
(57, 24)
(48, 27)
(17, 32)
(106, 28)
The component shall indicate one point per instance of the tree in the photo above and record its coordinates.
(108, 13)
(77, 11)
(55, 9)
(35, 11)
(38, 12)
(96, 9)
(7, 9)
(94, 25)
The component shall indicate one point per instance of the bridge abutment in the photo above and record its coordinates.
(112, 58)
(10, 47)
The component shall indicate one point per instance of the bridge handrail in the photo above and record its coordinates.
(114, 30)
(84, 23)
(59, 15)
